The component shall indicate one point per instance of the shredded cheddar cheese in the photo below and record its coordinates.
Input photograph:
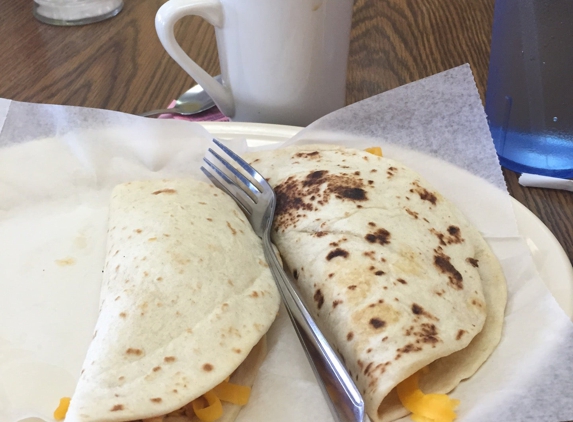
(207, 408)
(375, 150)
(211, 412)
(425, 407)
(60, 412)
(232, 393)
(226, 391)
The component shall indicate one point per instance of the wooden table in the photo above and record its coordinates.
(119, 64)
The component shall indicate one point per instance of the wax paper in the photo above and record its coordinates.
(58, 165)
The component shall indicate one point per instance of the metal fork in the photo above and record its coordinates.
(257, 200)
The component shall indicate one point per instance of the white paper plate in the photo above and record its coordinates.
(550, 259)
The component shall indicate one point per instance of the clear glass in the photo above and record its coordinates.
(75, 12)
(529, 99)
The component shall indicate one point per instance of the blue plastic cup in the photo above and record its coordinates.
(529, 99)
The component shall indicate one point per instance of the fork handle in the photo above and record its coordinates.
(342, 396)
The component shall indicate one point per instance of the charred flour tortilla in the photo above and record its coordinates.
(395, 275)
(186, 300)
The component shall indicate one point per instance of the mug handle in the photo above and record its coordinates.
(212, 12)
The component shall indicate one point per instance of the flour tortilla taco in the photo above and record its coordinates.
(402, 285)
(187, 298)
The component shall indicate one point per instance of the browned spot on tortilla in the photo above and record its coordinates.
(117, 407)
(167, 191)
(254, 294)
(402, 281)
(236, 350)
(208, 367)
(231, 227)
(209, 219)
(417, 309)
(460, 334)
(156, 400)
(377, 323)
(424, 194)
(369, 350)
(473, 262)
(320, 233)
(318, 298)
(443, 264)
(310, 155)
(367, 369)
(453, 237)
(121, 378)
(352, 287)
(307, 193)
(455, 232)
(336, 303)
(157, 368)
(391, 171)
(350, 336)
(295, 274)
(169, 358)
(379, 273)
(122, 314)
(175, 390)
(330, 275)
(412, 213)
(409, 348)
(337, 252)
(369, 254)
(354, 194)
(381, 236)
(132, 351)
(427, 333)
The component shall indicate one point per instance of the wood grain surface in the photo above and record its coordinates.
(119, 64)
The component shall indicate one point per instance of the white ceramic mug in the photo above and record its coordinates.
(282, 61)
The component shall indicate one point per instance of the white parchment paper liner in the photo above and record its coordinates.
(58, 165)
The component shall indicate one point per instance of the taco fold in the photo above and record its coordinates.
(186, 300)
(398, 280)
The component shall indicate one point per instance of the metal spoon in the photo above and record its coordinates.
(193, 101)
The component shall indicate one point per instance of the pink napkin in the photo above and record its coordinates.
(211, 115)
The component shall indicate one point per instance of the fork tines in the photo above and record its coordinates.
(244, 187)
